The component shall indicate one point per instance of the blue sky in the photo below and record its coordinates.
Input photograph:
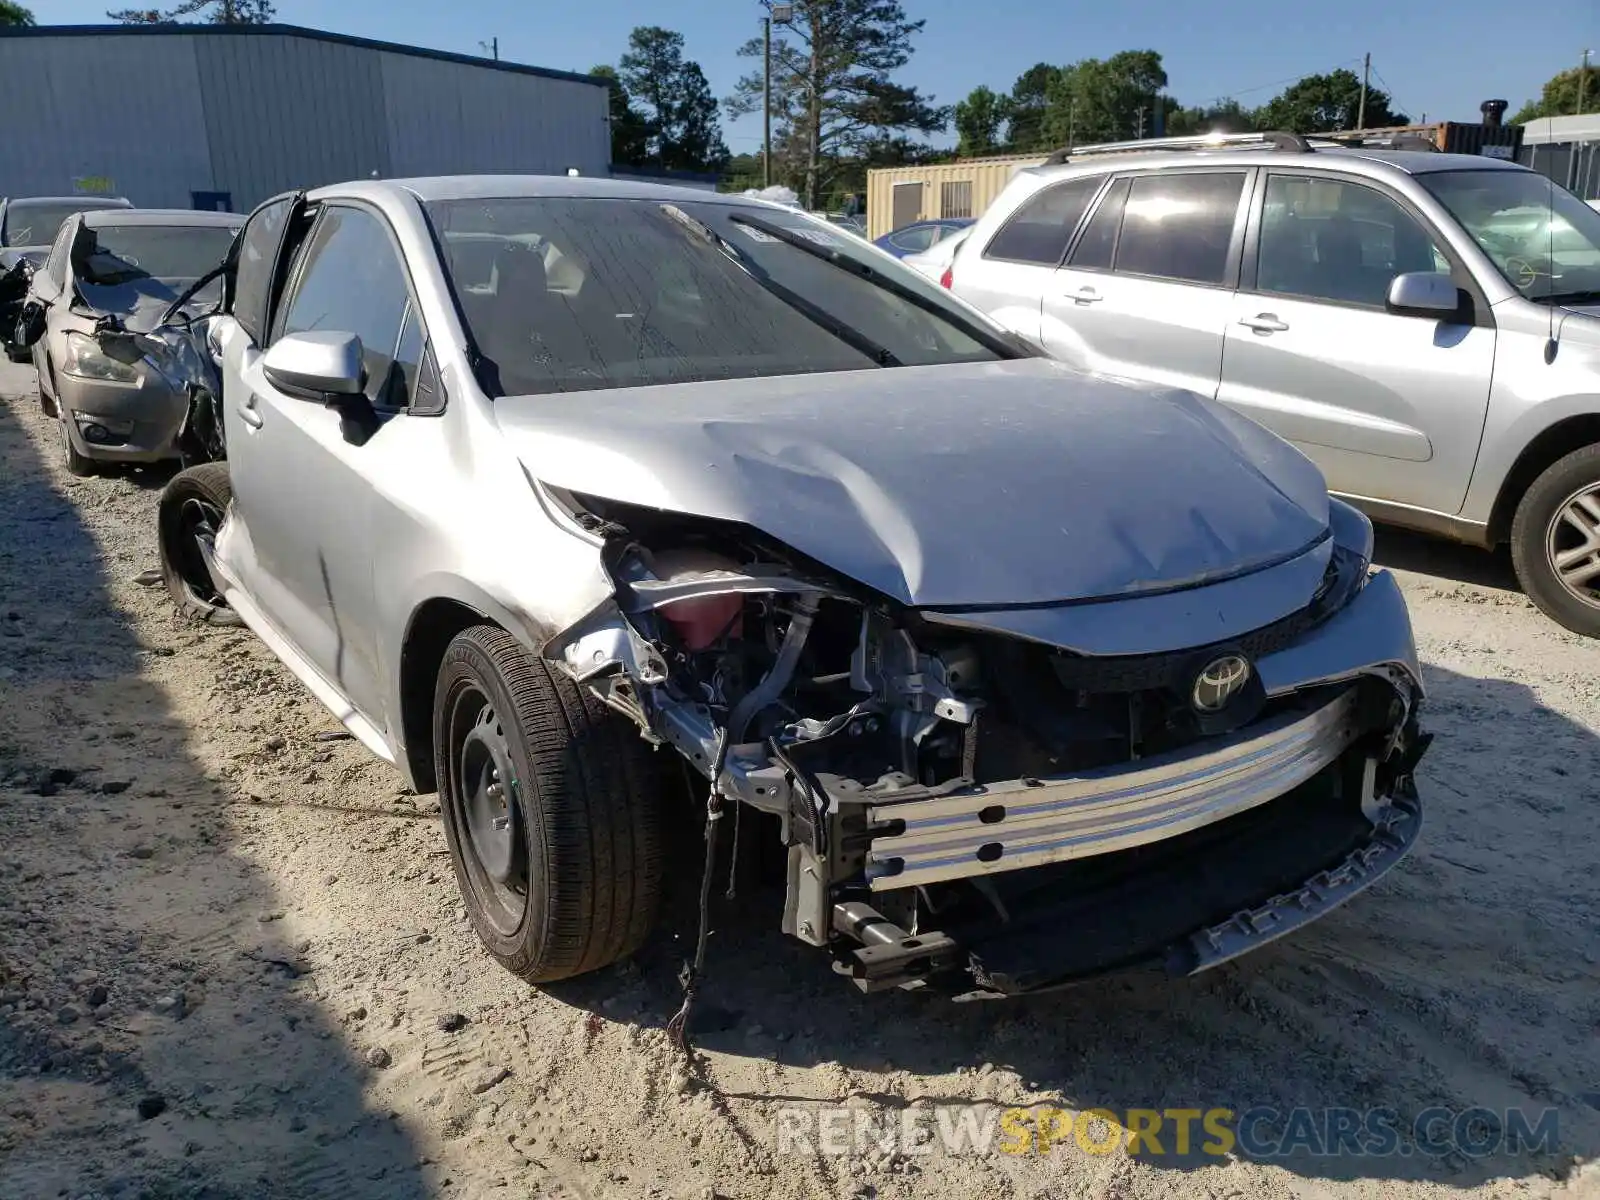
(1436, 58)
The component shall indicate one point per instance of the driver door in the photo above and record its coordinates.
(301, 489)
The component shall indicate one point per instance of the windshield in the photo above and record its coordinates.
(1543, 239)
(36, 224)
(565, 294)
(116, 265)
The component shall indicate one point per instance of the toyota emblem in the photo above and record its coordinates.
(1219, 682)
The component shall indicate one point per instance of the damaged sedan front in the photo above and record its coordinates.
(1033, 675)
(1007, 751)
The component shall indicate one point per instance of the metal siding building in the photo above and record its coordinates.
(167, 114)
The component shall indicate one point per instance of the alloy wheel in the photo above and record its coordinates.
(198, 522)
(1572, 543)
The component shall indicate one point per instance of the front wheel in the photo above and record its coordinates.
(188, 516)
(551, 808)
(1555, 541)
(78, 464)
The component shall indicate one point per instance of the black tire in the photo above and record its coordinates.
(572, 881)
(78, 464)
(191, 509)
(1538, 533)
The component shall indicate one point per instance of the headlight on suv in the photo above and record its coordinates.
(86, 360)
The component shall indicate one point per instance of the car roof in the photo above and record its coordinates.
(486, 187)
(122, 217)
(104, 201)
(1362, 158)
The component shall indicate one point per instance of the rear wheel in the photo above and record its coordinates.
(1555, 541)
(188, 516)
(551, 809)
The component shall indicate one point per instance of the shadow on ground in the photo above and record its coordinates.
(1404, 550)
(1464, 981)
(157, 1039)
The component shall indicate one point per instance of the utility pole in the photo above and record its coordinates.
(1583, 79)
(766, 103)
(1366, 74)
(1140, 127)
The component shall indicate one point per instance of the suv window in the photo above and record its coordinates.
(1039, 231)
(350, 280)
(1180, 225)
(1334, 240)
(1098, 244)
(258, 255)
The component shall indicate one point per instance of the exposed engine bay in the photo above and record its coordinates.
(969, 805)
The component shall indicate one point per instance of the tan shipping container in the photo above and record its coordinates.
(897, 196)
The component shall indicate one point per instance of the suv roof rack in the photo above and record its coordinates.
(1272, 139)
(1380, 139)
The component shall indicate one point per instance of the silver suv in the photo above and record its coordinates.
(1425, 326)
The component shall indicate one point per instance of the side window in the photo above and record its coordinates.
(258, 255)
(350, 280)
(913, 240)
(1180, 225)
(1327, 239)
(402, 382)
(1039, 231)
(1099, 241)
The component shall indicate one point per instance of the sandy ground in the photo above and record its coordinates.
(232, 963)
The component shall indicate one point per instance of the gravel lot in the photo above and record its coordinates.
(232, 962)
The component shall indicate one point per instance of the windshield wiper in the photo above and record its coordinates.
(814, 313)
(1587, 296)
(996, 342)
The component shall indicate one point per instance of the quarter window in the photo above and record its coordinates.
(351, 281)
(1039, 231)
(1327, 239)
(1180, 226)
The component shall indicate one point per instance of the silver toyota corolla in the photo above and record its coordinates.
(1035, 675)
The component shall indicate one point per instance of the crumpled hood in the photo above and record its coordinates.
(992, 484)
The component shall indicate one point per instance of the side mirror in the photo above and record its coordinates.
(30, 325)
(1423, 294)
(320, 366)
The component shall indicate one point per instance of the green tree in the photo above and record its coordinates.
(1030, 96)
(216, 12)
(1325, 103)
(1560, 97)
(832, 91)
(1222, 116)
(679, 111)
(628, 132)
(1104, 100)
(978, 121)
(14, 14)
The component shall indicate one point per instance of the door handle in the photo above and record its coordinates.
(1264, 323)
(250, 414)
(1086, 295)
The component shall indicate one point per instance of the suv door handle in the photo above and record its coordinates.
(1264, 323)
(250, 414)
(1086, 295)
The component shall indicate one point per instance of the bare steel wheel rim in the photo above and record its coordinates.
(487, 817)
(1572, 544)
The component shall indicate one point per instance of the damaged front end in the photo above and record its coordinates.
(995, 814)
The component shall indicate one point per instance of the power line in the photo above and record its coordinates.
(1392, 97)
(1261, 87)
